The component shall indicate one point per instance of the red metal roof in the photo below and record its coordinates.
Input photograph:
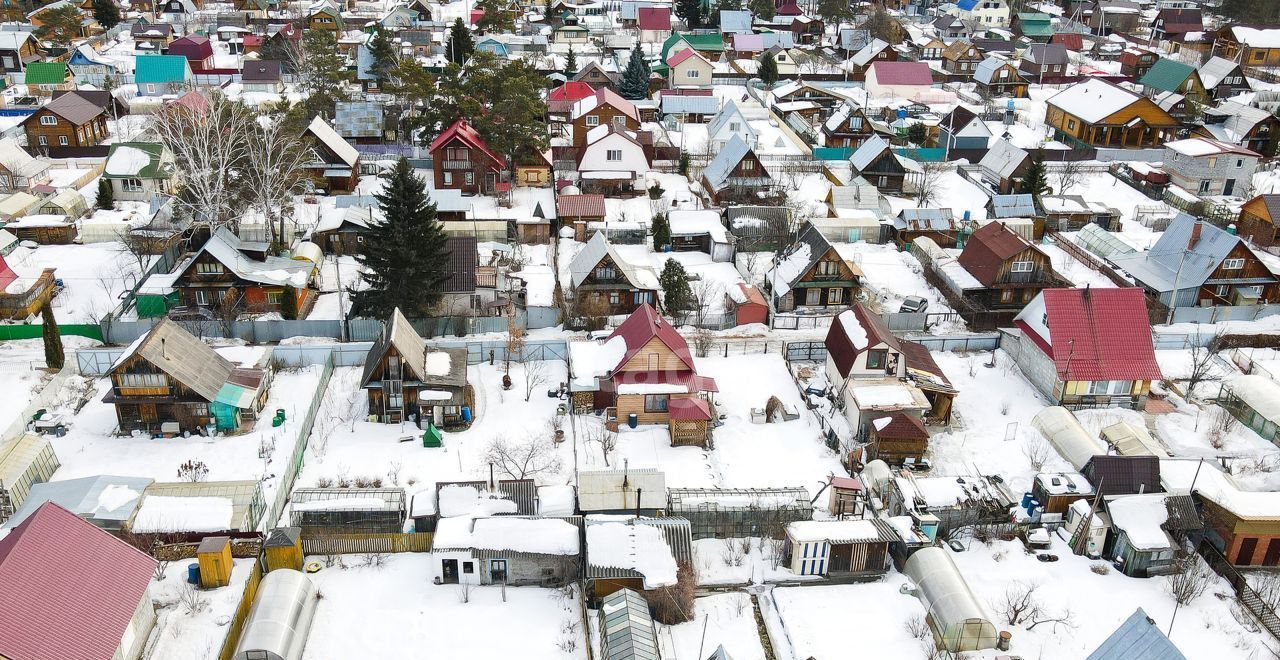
(193, 47)
(682, 56)
(849, 483)
(654, 18)
(1071, 40)
(462, 130)
(988, 249)
(574, 90)
(902, 427)
(77, 587)
(646, 323)
(580, 206)
(7, 276)
(1098, 334)
(689, 409)
(841, 348)
(754, 297)
(902, 73)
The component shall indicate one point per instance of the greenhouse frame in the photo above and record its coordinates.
(957, 618)
(626, 629)
(1067, 436)
(1101, 242)
(280, 619)
(347, 510)
(1255, 401)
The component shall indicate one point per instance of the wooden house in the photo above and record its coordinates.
(24, 288)
(840, 547)
(225, 265)
(747, 304)
(961, 58)
(644, 374)
(170, 381)
(1253, 128)
(604, 108)
(997, 77)
(876, 162)
(408, 382)
(1167, 75)
(508, 550)
(604, 282)
(153, 37)
(42, 78)
(811, 275)
(1040, 61)
(336, 167)
(849, 126)
(938, 225)
(595, 75)
(213, 557)
(19, 171)
(196, 48)
(1057, 491)
(897, 438)
(70, 120)
(1173, 24)
(736, 173)
(1011, 269)
(325, 16)
(139, 171)
(1146, 531)
(1259, 220)
(1100, 114)
(1243, 525)
(17, 50)
(1135, 62)
(1223, 78)
(1004, 167)
(461, 160)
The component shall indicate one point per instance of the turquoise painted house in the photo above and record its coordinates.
(492, 45)
(158, 75)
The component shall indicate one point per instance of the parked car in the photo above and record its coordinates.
(913, 305)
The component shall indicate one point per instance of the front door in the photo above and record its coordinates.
(1229, 187)
(1245, 556)
(449, 570)
(498, 571)
(841, 558)
(1273, 553)
(147, 413)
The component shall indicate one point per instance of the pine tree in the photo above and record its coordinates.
(762, 9)
(383, 53)
(289, 304)
(460, 42)
(406, 255)
(497, 17)
(570, 63)
(677, 296)
(768, 72)
(690, 11)
(661, 230)
(61, 25)
(106, 195)
(53, 354)
(106, 13)
(834, 11)
(323, 73)
(1034, 182)
(635, 79)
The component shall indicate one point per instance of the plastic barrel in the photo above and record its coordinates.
(632, 420)
(466, 413)
(193, 573)
(1026, 499)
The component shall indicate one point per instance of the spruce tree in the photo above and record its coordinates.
(106, 13)
(690, 11)
(53, 354)
(405, 256)
(661, 230)
(460, 42)
(635, 79)
(570, 63)
(289, 304)
(383, 53)
(677, 296)
(768, 72)
(106, 195)
(1034, 183)
(762, 9)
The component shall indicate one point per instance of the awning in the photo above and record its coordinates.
(689, 409)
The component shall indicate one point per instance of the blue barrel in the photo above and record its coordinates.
(1026, 499)
(466, 414)
(632, 420)
(193, 573)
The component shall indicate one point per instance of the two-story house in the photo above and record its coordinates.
(1196, 264)
(644, 373)
(997, 77)
(17, 49)
(1208, 167)
(605, 284)
(984, 14)
(196, 48)
(70, 120)
(1136, 62)
(736, 173)
(1250, 45)
(170, 381)
(1100, 114)
(962, 129)
(604, 108)
(1222, 78)
(336, 167)
(1011, 270)
(849, 126)
(407, 381)
(1253, 128)
(225, 265)
(1040, 61)
(1174, 24)
(876, 162)
(1259, 220)
(688, 68)
(139, 171)
(727, 124)
(961, 58)
(612, 161)
(461, 160)
(1168, 75)
(810, 275)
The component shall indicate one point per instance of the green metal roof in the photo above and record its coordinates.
(150, 69)
(46, 73)
(152, 170)
(1035, 24)
(700, 42)
(1166, 75)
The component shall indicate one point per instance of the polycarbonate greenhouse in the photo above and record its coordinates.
(1101, 242)
(280, 618)
(626, 629)
(1066, 435)
(957, 618)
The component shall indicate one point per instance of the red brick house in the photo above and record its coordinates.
(462, 161)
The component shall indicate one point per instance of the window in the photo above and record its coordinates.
(835, 296)
(1233, 264)
(131, 185)
(531, 176)
(448, 178)
(1220, 290)
(877, 359)
(43, 140)
(748, 166)
(606, 273)
(468, 567)
(208, 269)
(613, 298)
(359, 238)
(1205, 184)
(1071, 124)
(827, 269)
(735, 126)
(655, 402)
(273, 297)
(613, 155)
(620, 121)
(593, 120)
(48, 120)
(62, 140)
(202, 297)
(151, 88)
(1239, 162)
(200, 409)
(143, 380)
(1213, 161)
(1023, 266)
(1258, 55)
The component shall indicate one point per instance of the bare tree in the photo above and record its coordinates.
(1069, 173)
(928, 183)
(274, 171)
(703, 340)
(515, 341)
(1203, 356)
(138, 248)
(705, 293)
(1221, 423)
(1189, 579)
(535, 374)
(1037, 452)
(228, 311)
(210, 148)
(521, 460)
(1021, 607)
(608, 440)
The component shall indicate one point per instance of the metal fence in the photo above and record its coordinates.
(806, 351)
(299, 448)
(985, 341)
(799, 321)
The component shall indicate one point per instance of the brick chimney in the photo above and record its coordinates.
(1195, 236)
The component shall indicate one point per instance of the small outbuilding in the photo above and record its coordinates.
(959, 622)
(283, 548)
(24, 462)
(280, 619)
(844, 547)
(1255, 401)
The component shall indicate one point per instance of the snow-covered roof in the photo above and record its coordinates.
(696, 222)
(840, 531)
(545, 536)
(598, 248)
(225, 247)
(1140, 517)
(1093, 100)
(629, 545)
(163, 513)
(593, 360)
(334, 142)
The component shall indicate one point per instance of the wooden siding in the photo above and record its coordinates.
(606, 114)
(628, 404)
(1256, 224)
(88, 134)
(1113, 131)
(644, 360)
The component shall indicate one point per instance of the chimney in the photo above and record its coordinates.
(163, 355)
(638, 492)
(1195, 235)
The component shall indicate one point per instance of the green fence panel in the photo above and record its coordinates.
(832, 153)
(33, 331)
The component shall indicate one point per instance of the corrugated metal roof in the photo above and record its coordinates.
(1137, 638)
(184, 358)
(157, 69)
(84, 497)
(46, 73)
(1166, 75)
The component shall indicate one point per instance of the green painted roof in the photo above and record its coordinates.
(705, 43)
(46, 73)
(1035, 24)
(152, 170)
(150, 69)
(1166, 75)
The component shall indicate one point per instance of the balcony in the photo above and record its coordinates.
(1033, 277)
(457, 165)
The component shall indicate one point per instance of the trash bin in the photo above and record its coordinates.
(632, 420)
(466, 414)
(193, 573)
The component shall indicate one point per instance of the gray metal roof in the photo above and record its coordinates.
(1002, 159)
(923, 219)
(1214, 70)
(1170, 266)
(728, 114)
(717, 171)
(1137, 638)
(1013, 206)
(183, 357)
(626, 629)
(700, 105)
(358, 119)
(104, 500)
(868, 152)
(735, 21)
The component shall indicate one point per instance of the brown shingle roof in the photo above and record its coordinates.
(988, 249)
(74, 108)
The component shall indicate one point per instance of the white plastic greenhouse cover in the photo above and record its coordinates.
(280, 618)
(954, 611)
(1067, 436)
(929, 247)
(308, 251)
(876, 476)
(1261, 393)
(1130, 440)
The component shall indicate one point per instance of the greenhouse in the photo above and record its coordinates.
(739, 512)
(1101, 242)
(626, 629)
(280, 618)
(1255, 401)
(1130, 440)
(955, 615)
(348, 510)
(1066, 435)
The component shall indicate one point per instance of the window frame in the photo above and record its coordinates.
(657, 403)
(1233, 264)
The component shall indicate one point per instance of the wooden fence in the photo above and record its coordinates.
(242, 613)
(348, 544)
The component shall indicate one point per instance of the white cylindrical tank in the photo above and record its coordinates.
(308, 251)
(280, 618)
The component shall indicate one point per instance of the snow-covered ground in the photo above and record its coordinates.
(193, 622)
(394, 612)
(740, 561)
(719, 620)
(892, 275)
(818, 621)
(93, 277)
(1072, 269)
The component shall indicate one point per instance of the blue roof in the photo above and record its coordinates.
(1137, 638)
(966, 5)
(717, 171)
(1014, 206)
(1170, 266)
(699, 105)
(160, 69)
(732, 21)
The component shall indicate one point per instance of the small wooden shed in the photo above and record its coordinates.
(283, 548)
(214, 556)
(897, 437)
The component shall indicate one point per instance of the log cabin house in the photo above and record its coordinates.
(604, 284)
(23, 289)
(736, 174)
(408, 382)
(877, 163)
(811, 275)
(1259, 220)
(170, 381)
(1011, 269)
(461, 160)
(643, 373)
(225, 265)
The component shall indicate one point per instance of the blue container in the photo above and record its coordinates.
(1026, 500)
(632, 420)
(466, 414)
(193, 573)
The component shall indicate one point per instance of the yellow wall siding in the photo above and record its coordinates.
(667, 359)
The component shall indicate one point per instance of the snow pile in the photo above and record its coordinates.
(788, 269)
(546, 536)
(127, 161)
(557, 500)
(434, 395)
(115, 496)
(183, 514)
(592, 360)
(853, 330)
(883, 395)
(812, 531)
(881, 422)
(438, 364)
(1140, 516)
(468, 501)
(640, 548)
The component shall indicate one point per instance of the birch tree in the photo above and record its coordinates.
(210, 147)
(275, 173)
